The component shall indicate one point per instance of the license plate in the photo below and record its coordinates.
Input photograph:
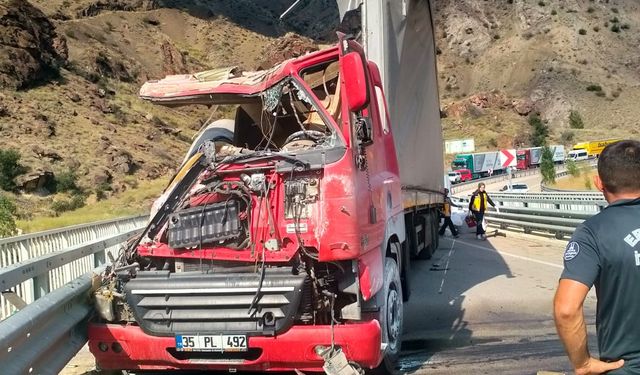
(211, 343)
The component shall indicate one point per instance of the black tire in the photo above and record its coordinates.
(391, 318)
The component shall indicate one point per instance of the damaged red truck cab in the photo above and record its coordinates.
(274, 250)
(283, 241)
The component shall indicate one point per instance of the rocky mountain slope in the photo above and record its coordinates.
(70, 72)
(501, 60)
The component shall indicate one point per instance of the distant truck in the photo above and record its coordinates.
(532, 156)
(592, 149)
(483, 164)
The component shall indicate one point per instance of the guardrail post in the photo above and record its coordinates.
(41, 285)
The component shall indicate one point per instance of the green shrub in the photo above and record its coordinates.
(67, 182)
(572, 168)
(575, 120)
(596, 28)
(547, 167)
(567, 136)
(594, 88)
(614, 20)
(582, 32)
(614, 10)
(554, 12)
(101, 191)
(615, 28)
(63, 205)
(540, 131)
(591, 10)
(7, 217)
(10, 168)
(625, 26)
(541, 3)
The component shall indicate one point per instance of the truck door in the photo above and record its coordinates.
(368, 149)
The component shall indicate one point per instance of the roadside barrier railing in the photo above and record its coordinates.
(40, 334)
(556, 213)
(88, 243)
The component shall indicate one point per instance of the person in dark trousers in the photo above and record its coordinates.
(605, 251)
(446, 212)
(478, 205)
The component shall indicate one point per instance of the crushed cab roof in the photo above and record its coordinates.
(204, 87)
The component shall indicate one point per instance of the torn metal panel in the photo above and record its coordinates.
(346, 5)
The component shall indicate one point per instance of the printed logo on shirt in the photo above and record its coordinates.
(572, 250)
(633, 238)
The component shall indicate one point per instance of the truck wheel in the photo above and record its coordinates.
(391, 317)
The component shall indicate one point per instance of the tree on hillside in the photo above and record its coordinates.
(547, 167)
(575, 120)
(572, 168)
(540, 131)
(7, 221)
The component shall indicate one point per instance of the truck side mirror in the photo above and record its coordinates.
(355, 81)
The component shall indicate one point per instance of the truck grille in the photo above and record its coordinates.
(166, 304)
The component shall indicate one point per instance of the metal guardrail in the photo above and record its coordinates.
(516, 174)
(490, 180)
(556, 213)
(42, 336)
(22, 249)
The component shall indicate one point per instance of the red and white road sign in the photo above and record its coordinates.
(508, 158)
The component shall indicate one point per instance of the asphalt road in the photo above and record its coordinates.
(478, 307)
(485, 308)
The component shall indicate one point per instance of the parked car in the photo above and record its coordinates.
(515, 188)
(454, 177)
(465, 174)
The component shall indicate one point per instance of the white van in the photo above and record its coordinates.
(578, 155)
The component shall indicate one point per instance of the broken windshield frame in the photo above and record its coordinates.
(277, 122)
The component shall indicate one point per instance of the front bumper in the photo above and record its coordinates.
(294, 349)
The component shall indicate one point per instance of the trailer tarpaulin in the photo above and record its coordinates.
(398, 36)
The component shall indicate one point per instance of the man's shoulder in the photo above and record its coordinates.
(605, 219)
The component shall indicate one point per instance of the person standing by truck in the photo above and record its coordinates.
(603, 252)
(478, 206)
(446, 212)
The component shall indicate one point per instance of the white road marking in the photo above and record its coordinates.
(446, 267)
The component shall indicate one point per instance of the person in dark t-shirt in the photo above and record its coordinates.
(604, 252)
